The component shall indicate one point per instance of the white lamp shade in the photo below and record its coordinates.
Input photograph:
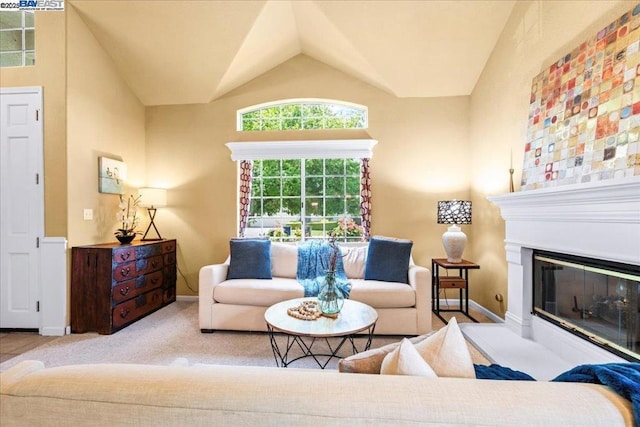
(153, 197)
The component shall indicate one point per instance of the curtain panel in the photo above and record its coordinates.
(365, 198)
(246, 171)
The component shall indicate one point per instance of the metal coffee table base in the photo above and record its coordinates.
(295, 342)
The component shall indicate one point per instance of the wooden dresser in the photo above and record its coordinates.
(113, 285)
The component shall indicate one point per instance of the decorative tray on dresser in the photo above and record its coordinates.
(113, 285)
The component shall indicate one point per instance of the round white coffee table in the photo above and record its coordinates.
(354, 318)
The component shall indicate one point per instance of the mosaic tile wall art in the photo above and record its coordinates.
(584, 115)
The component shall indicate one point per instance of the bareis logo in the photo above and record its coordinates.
(41, 4)
(32, 5)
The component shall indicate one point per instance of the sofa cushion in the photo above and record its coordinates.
(388, 259)
(447, 353)
(284, 260)
(250, 259)
(405, 360)
(260, 293)
(354, 259)
(382, 294)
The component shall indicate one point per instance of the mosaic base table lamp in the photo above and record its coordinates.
(454, 240)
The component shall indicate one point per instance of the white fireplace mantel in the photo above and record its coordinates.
(598, 220)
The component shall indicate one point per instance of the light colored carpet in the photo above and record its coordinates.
(169, 334)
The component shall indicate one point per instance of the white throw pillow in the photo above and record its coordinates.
(405, 360)
(447, 353)
(354, 259)
(284, 260)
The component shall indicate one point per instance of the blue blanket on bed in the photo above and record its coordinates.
(623, 378)
(314, 259)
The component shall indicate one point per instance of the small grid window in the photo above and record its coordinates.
(17, 38)
(302, 115)
(298, 199)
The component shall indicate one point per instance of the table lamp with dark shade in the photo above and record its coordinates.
(454, 240)
(152, 198)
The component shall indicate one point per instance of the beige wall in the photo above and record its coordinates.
(104, 119)
(422, 156)
(537, 34)
(429, 149)
(50, 73)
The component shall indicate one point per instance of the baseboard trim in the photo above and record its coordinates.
(52, 332)
(188, 298)
(472, 304)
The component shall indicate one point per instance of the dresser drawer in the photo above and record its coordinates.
(150, 281)
(169, 246)
(170, 258)
(124, 255)
(147, 251)
(131, 288)
(452, 283)
(136, 308)
(123, 291)
(147, 265)
(169, 294)
(170, 273)
(124, 271)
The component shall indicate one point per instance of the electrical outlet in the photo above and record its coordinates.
(88, 214)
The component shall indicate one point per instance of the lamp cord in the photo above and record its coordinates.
(186, 281)
(446, 301)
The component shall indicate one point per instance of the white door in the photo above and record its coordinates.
(21, 206)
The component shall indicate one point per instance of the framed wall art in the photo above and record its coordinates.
(584, 111)
(112, 175)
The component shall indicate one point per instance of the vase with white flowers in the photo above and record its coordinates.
(128, 218)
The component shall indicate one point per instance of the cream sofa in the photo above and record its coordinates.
(239, 304)
(145, 395)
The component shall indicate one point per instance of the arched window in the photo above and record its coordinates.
(302, 114)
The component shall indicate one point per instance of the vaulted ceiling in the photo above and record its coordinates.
(179, 52)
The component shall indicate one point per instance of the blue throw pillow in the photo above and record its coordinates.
(388, 260)
(250, 259)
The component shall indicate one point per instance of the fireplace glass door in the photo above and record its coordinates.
(595, 300)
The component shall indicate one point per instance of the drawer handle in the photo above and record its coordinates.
(168, 248)
(124, 312)
(154, 280)
(125, 256)
(125, 271)
(124, 291)
(154, 264)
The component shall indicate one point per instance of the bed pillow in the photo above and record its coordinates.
(405, 360)
(388, 260)
(250, 259)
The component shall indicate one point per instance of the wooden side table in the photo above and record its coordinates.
(460, 282)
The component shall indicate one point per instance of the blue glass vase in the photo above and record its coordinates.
(330, 298)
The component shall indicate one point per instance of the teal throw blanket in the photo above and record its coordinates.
(314, 258)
